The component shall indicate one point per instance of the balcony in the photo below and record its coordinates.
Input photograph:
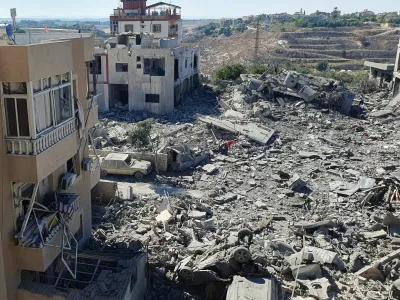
(43, 238)
(33, 160)
(93, 111)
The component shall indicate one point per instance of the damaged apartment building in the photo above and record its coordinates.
(144, 66)
(396, 73)
(47, 176)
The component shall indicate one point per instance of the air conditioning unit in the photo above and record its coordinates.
(87, 164)
(67, 181)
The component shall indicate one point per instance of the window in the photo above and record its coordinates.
(156, 28)
(73, 165)
(152, 98)
(121, 67)
(139, 66)
(137, 58)
(129, 28)
(17, 117)
(195, 64)
(186, 63)
(63, 104)
(42, 107)
(97, 66)
(154, 66)
(114, 27)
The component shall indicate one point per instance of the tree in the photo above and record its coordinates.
(230, 72)
(140, 138)
(322, 66)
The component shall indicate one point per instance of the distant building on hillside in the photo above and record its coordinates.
(282, 18)
(237, 21)
(248, 18)
(226, 22)
(366, 13)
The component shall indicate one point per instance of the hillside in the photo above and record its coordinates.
(344, 48)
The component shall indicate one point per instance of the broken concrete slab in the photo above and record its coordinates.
(317, 288)
(250, 130)
(164, 216)
(210, 169)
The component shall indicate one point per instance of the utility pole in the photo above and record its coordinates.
(257, 46)
(13, 13)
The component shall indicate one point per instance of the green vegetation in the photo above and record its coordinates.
(257, 69)
(139, 137)
(230, 72)
(20, 31)
(322, 66)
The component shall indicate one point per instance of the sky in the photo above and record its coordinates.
(190, 8)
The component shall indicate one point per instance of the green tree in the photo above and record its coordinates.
(230, 72)
(322, 66)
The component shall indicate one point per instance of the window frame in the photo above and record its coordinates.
(122, 67)
(146, 100)
(14, 97)
(157, 26)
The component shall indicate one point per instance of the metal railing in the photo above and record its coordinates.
(21, 146)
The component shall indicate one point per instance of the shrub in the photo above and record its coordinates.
(230, 72)
(322, 66)
(139, 137)
(257, 69)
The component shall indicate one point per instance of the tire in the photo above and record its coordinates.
(103, 173)
(186, 275)
(242, 255)
(138, 175)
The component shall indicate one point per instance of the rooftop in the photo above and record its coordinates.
(162, 4)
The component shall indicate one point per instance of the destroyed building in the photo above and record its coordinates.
(144, 67)
(382, 74)
(47, 176)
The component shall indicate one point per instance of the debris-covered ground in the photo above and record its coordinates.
(306, 198)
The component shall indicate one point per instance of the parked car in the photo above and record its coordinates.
(124, 164)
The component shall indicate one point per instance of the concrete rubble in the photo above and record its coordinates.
(305, 204)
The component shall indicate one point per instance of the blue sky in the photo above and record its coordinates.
(191, 8)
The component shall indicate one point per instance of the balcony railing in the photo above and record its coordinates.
(20, 146)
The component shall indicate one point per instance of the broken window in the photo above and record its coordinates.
(195, 63)
(63, 105)
(17, 117)
(43, 112)
(152, 98)
(186, 60)
(73, 165)
(176, 69)
(154, 66)
(120, 67)
(14, 88)
(97, 66)
(156, 28)
(129, 28)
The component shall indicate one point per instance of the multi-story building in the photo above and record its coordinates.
(143, 69)
(396, 73)
(46, 176)
(226, 22)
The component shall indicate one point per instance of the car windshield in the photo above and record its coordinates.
(128, 161)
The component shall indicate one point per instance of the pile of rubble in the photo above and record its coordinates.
(306, 198)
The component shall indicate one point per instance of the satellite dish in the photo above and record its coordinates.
(9, 30)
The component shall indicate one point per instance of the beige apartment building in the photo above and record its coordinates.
(46, 173)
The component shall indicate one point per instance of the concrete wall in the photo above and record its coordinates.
(140, 84)
(35, 38)
(104, 191)
(33, 62)
(21, 63)
(148, 27)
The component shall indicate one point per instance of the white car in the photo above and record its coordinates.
(124, 164)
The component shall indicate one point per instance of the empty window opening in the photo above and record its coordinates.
(156, 28)
(95, 67)
(14, 88)
(138, 40)
(186, 62)
(129, 28)
(137, 58)
(195, 63)
(176, 70)
(121, 67)
(119, 95)
(73, 165)
(154, 66)
(114, 27)
(139, 66)
(17, 117)
(152, 98)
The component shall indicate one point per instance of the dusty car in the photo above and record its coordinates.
(124, 164)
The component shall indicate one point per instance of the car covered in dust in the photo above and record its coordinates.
(124, 164)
